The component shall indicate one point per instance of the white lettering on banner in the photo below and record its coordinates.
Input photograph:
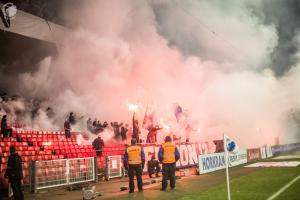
(211, 162)
(263, 152)
(269, 152)
(238, 158)
(203, 148)
(184, 156)
(192, 154)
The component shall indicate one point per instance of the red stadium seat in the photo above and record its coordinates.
(26, 153)
(25, 165)
(25, 158)
(19, 148)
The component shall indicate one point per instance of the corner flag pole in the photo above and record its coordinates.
(226, 162)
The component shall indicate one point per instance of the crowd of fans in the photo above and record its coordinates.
(120, 131)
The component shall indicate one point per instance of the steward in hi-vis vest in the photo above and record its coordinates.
(134, 160)
(168, 155)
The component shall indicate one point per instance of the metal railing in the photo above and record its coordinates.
(114, 166)
(53, 173)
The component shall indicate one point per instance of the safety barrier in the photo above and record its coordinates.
(278, 149)
(53, 173)
(114, 167)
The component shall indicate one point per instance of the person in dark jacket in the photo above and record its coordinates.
(116, 126)
(152, 134)
(134, 161)
(89, 124)
(135, 129)
(72, 118)
(14, 173)
(67, 127)
(153, 167)
(98, 144)
(168, 155)
(124, 131)
(4, 128)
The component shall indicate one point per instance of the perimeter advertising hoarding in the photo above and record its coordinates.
(263, 152)
(213, 162)
(188, 153)
(253, 154)
(269, 152)
(238, 158)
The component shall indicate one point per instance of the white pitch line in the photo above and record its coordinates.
(283, 188)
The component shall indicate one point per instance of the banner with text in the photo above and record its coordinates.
(188, 153)
(253, 154)
(238, 158)
(211, 162)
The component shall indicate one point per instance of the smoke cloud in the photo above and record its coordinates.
(222, 62)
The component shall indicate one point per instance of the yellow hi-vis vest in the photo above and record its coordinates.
(134, 155)
(169, 152)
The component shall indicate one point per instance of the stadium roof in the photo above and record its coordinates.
(32, 26)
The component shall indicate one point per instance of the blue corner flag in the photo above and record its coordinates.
(229, 144)
(229, 147)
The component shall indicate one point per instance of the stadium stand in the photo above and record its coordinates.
(45, 145)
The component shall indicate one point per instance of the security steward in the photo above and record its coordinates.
(168, 155)
(14, 173)
(134, 160)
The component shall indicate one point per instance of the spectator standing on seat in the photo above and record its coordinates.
(116, 126)
(134, 160)
(14, 173)
(89, 124)
(153, 167)
(4, 128)
(67, 127)
(152, 134)
(72, 119)
(124, 131)
(135, 129)
(98, 144)
(168, 155)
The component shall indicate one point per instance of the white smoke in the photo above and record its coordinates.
(210, 57)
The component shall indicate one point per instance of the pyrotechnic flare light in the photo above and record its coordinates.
(164, 125)
(198, 130)
(133, 107)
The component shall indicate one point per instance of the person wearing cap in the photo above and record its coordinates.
(168, 155)
(153, 167)
(134, 160)
(14, 173)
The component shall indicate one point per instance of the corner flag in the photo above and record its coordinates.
(229, 146)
